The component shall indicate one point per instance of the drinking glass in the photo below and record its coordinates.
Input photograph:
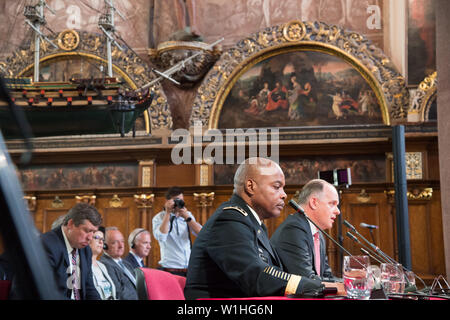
(392, 278)
(356, 277)
(411, 278)
(374, 276)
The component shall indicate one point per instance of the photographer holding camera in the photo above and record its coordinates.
(172, 227)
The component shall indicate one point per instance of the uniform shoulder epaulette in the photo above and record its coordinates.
(242, 211)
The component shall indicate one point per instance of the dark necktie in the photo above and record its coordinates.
(263, 226)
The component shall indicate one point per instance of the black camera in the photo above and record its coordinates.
(178, 203)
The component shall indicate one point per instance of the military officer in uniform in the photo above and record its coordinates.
(232, 255)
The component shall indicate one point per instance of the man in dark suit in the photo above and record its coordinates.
(139, 242)
(299, 243)
(232, 255)
(120, 271)
(69, 253)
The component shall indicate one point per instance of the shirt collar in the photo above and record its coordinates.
(313, 227)
(255, 214)
(138, 259)
(66, 241)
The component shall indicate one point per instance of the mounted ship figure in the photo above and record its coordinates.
(79, 106)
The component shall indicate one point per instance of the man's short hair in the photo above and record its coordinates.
(312, 187)
(81, 212)
(172, 192)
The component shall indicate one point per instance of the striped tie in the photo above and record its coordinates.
(76, 293)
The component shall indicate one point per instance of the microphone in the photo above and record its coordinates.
(351, 236)
(368, 226)
(297, 208)
(383, 255)
(374, 247)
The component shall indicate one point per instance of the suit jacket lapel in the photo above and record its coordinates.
(306, 226)
(62, 243)
(263, 238)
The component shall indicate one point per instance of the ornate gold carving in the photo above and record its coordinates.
(144, 201)
(423, 98)
(204, 200)
(420, 194)
(31, 203)
(363, 197)
(414, 194)
(68, 40)
(294, 31)
(89, 199)
(57, 203)
(379, 71)
(115, 202)
(390, 195)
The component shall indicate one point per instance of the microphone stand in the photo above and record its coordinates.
(385, 256)
(351, 236)
(298, 209)
(376, 293)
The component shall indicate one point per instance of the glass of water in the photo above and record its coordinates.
(392, 278)
(356, 275)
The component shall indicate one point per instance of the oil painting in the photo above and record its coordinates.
(300, 88)
(364, 169)
(421, 40)
(82, 176)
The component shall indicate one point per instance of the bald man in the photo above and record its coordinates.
(295, 238)
(232, 255)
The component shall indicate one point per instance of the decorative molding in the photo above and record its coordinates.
(144, 201)
(89, 199)
(204, 200)
(115, 202)
(31, 203)
(57, 203)
(414, 195)
(423, 98)
(68, 40)
(420, 194)
(378, 70)
(363, 196)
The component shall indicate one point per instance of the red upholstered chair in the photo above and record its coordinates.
(154, 284)
(5, 287)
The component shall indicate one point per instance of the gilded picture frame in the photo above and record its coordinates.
(377, 70)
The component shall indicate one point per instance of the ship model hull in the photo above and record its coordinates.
(79, 107)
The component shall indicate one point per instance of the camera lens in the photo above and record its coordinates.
(178, 203)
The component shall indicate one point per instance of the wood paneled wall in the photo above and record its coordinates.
(132, 208)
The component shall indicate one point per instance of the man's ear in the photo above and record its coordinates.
(313, 203)
(249, 187)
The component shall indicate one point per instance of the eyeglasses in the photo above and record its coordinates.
(98, 238)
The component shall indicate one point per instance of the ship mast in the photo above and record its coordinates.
(34, 17)
(106, 24)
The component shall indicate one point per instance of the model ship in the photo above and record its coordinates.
(76, 107)
(80, 106)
